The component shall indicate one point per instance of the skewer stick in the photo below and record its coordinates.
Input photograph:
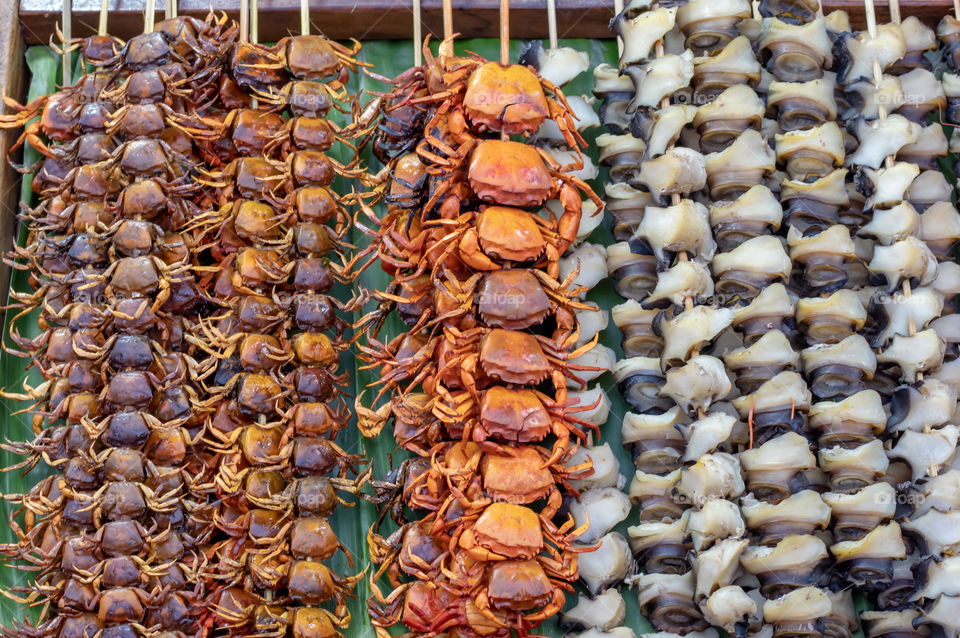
(150, 14)
(617, 8)
(877, 75)
(244, 20)
(446, 47)
(104, 8)
(871, 16)
(254, 21)
(448, 18)
(675, 200)
(956, 9)
(504, 31)
(67, 36)
(552, 22)
(171, 11)
(304, 17)
(417, 35)
(504, 45)
(254, 33)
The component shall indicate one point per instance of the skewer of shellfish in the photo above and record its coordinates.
(895, 225)
(467, 389)
(924, 450)
(669, 454)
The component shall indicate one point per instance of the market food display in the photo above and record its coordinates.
(115, 534)
(732, 265)
(181, 255)
(820, 318)
(476, 387)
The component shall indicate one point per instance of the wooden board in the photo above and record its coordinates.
(390, 19)
(12, 75)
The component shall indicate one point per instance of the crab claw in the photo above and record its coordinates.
(471, 253)
(569, 222)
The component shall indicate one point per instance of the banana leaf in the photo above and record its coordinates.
(44, 67)
(390, 58)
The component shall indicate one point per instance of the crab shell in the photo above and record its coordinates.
(510, 531)
(260, 445)
(311, 583)
(255, 221)
(259, 352)
(421, 551)
(509, 233)
(512, 299)
(234, 605)
(313, 419)
(509, 173)
(312, 621)
(423, 602)
(311, 57)
(513, 357)
(519, 478)
(519, 586)
(514, 415)
(253, 130)
(505, 98)
(255, 66)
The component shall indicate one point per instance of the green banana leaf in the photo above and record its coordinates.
(44, 67)
(390, 58)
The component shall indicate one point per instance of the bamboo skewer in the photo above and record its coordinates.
(617, 8)
(877, 78)
(871, 16)
(254, 35)
(104, 8)
(675, 201)
(304, 17)
(149, 16)
(894, 11)
(67, 20)
(552, 22)
(244, 20)
(504, 31)
(171, 10)
(446, 47)
(417, 35)
(255, 24)
(448, 18)
(504, 44)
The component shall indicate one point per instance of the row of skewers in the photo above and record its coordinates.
(785, 241)
(182, 251)
(479, 386)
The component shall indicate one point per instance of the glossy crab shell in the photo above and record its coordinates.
(512, 299)
(513, 357)
(509, 173)
(514, 415)
(509, 530)
(507, 98)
